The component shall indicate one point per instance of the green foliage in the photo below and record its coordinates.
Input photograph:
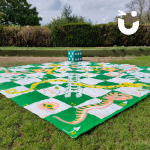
(63, 51)
(66, 17)
(110, 35)
(140, 38)
(16, 26)
(98, 34)
(113, 36)
(72, 34)
(2, 15)
(115, 46)
(1, 29)
(19, 12)
(110, 22)
(127, 18)
(66, 11)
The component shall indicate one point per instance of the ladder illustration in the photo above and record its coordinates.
(73, 78)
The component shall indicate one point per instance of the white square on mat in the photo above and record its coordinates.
(51, 91)
(90, 81)
(89, 102)
(27, 81)
(102, 113)
(133, 91)
(88, 74)
(18, 89)
(35, 75)
(8, 75)
(114, 74)
(34, 108)
(95, 92)
(120, 80)
(2, 80)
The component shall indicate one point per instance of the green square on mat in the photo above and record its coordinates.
(73, 100)
(29, 98)
(8, 85)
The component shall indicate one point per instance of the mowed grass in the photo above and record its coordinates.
(20, 129)
(76, 48)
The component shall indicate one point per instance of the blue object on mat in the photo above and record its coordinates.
(75, 55)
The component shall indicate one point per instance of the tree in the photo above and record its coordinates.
(1, 17)
(66, 17)
(142, 7)
(66, 11)
(146, 15)
(19, 12)
(127, 18)
(138, 6)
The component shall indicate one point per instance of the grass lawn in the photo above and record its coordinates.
(21, 129)
(72, 48)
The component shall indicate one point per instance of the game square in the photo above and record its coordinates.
(52, 91)
(28, 98)
(115, 74)
(35, 75)
(13, 89)
(8, 85)
(104, 112)
(90, 81)
(120, 80)
(61, 75)
(95, 92)
(4, 75)
(73, 100)
(89, 102)
(27, 81)
(38, 108)
(138, 92)
(2, 80)
(89, 75)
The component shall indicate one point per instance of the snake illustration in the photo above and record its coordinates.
(125, 84)
(56, 66)
(48, 71)
(120, 72)
(81, 112)
(6, 71)
(33, 86)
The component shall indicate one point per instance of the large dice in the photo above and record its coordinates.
(74, 55)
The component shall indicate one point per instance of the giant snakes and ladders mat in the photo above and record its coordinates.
(75, 96)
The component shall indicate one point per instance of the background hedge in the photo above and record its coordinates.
(9, 36)
(34, 36)
(106, 52)
(73, 35)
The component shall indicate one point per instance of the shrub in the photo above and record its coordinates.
(72, 34)
(137, 39)
(98, 35)
(1, 29)
(9, 36)
(34, 36)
